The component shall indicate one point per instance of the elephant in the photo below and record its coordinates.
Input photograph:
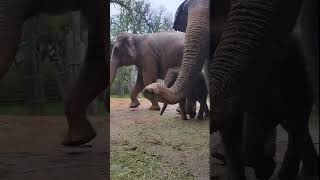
(93, 76)
(153, 54)
(198, 92)
(248, 41)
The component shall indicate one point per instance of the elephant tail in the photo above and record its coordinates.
(164, 107)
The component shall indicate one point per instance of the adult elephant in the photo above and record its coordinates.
(153, 54)
(93, 77)
(250, 25)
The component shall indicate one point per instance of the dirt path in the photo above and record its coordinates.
(173, 144)
(30, 149)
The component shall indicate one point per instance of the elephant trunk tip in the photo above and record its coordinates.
(163, 108)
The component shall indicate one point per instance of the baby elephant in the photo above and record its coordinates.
(198, 92)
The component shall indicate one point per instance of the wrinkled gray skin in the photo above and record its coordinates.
(239, 71)
(180, 24)
(198, 92)
(93, 77)
(151, 53)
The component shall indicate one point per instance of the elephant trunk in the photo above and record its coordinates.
(164, 107)
(243, 34)
(113, 71)
(195, 52)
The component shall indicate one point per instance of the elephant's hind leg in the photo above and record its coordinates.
(93, 79)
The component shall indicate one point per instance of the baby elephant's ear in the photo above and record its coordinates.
(131, 47)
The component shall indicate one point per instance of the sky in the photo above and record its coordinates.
(170, 5)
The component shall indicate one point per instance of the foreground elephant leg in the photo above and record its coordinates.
(230, 130)
(290, 166)
(136, 90)
(309, 23)
(93, 79)
(10, 32)
(257, 131)
(310, 158)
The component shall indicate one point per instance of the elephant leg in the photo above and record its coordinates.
(10, 32)
(136, 90)
(310, 158)
(230, 126)
(201, 110)
(150, 76)
(190, 106)
(309, 23)
(206, 111)
(291, 161)
(297, 126)
(256, 136)
(92, 80)
(182, 105)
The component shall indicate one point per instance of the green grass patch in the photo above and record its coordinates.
(136, 164)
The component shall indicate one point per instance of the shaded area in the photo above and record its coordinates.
(30, 149)
(219, 169)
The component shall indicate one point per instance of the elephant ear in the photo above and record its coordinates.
(131, 47)
(181, 18)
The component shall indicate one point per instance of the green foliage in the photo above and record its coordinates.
(140, 18)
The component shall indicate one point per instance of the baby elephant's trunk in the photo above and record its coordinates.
(164, 107)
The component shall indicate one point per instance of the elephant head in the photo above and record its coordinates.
(123, 53)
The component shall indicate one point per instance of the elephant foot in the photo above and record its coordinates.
(184, 117)
(200, 117)
(155, 108)
(192, 115)
(134, 104)
(79, 135)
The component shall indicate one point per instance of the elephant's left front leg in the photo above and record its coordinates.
(136, 90)
(93, 79)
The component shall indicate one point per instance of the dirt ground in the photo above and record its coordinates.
(177, 143)
(30, 149)
(179, 148)
(144, 145)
